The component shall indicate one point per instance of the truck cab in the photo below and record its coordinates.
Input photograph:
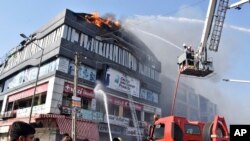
(174, 128)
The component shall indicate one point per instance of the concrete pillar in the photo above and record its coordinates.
(120, 111)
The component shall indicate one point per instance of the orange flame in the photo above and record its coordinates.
(95, 19)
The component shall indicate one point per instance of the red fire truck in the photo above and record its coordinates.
(174, 128)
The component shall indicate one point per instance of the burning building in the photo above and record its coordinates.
(107, 52)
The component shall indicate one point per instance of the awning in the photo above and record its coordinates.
(28, 92)
(10, 121)
(84, 129)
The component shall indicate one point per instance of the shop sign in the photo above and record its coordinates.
(121, 82)
(76, 101)
(114, 129)
(63, 65)
(149, 109)
(121, 121)
(81, 91)
(40, 109)
(90, 115)
(123, 103)
(131, 131)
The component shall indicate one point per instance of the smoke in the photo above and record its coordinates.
(165, 36)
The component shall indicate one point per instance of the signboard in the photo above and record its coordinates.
(123, 102)
(63, 64)
(87, 73)
(93, 104)
(84, 72)
(81, 91)
(76, 101)
(149, 95)
(120, 82)
(97, 116)
(149, 109)
(40, 109)
(90, 115)
(155, 98)
(131, 131)
(121, 121)
(114, 129)
(143, 93)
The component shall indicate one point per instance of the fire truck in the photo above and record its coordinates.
(175, 128)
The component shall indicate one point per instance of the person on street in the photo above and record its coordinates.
(21, 131)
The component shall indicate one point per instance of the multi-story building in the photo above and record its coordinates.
(188, 104)
(107, 52)
(208, 109)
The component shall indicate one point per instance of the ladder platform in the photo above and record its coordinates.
(190, 70)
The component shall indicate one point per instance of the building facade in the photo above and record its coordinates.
(108, 54)
(188, 104)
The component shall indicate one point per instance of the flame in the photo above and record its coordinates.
(95, 18)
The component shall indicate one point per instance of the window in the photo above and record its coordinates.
(127, 112)
(85, 103)
(69, 33)
(92, 45)
(113, 109)
(66, 101)
(138, 113)
(26, 102)
(100, 48)
(10, 106)
(76, 36)
(104, 49)
(148, 117)
(111, 51)
(107, 51)
(96, 46)
(158, 131)
(100, 106)
(86, 38)
(1, 104)
(89, 43)
(65, 31)
(192, 129)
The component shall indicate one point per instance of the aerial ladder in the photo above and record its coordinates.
(134, 118)
(197, 63)
(175, 128)
(133, 112)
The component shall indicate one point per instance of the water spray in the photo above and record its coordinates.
(99, 91)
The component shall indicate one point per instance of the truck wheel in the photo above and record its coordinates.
(207, 131)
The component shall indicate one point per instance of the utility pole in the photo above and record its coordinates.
(74, 97)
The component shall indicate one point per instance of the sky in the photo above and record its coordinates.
(163, 26)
